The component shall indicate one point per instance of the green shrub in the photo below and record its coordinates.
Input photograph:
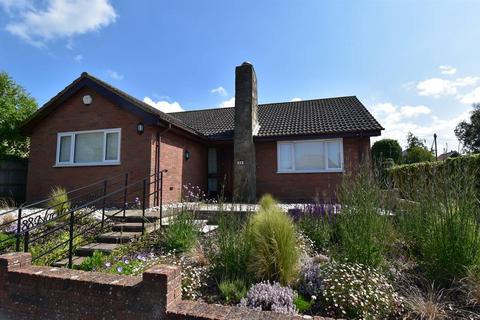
(442, 228)
(302, 304)
(229, 250)
(386, 149)
(92, 263)
(272, 237)
(181, 233)
(319, 230)
(59, 202)
(411, 178)
(127, 267)
(362, 227)
(232, 291)
(7, 241)
(48, 252)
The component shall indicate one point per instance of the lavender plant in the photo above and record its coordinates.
(270, 297)
(310, 282)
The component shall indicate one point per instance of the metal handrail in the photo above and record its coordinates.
(74, 190)
(30, 235)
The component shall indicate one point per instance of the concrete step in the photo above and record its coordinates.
(200, 223)
(87, 250)
(76, 260)
(118, 237)
(148, 218)
(208, 228)
(134, 227)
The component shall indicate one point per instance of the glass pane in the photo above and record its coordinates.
(212, 161)
(111, 153)
(65, 144)
(89, 147)
(309, 156)
(334, 155)
(285, 161)
(212, 184)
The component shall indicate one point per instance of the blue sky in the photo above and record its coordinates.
(414, 64)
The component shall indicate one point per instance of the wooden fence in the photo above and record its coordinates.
(13, 179)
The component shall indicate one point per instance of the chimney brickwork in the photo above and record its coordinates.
(246, 126)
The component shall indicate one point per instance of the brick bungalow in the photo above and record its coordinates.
(293, 150)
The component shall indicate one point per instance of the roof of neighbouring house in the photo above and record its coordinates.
(331, 116)
(297, 118)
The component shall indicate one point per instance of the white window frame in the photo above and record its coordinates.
(324, 141)
(72, 135)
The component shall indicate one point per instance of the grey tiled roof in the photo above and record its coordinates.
(308, 117)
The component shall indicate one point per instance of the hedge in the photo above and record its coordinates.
(409, 178)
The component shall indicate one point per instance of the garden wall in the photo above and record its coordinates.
(33, 292)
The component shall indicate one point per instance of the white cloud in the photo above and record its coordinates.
(164, 106)
(58, 19)
(447, 70)
(227, 103)
(78, 58)
(115, 75)
(12, 6)
(398, 121)
(437, 87)
(391, 114)
(296, 99)
(220, 90)
(471, 98)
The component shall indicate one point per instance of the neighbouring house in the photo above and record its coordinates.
(293, 150)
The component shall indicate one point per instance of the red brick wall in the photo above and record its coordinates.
(74, 116)
(181, 171)
(304, 186)
(32, 292)
(137, 154)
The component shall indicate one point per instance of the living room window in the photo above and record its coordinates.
(310, 156)
(96, 147)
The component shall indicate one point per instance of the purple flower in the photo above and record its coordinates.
(272, 297)
(119, 269)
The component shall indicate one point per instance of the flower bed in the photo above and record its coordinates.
(351, 261)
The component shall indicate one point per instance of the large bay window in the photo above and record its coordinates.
(310, 156)
(97, 147)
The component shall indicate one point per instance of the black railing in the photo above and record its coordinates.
(108, 197)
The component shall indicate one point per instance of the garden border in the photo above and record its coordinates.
(35, 292)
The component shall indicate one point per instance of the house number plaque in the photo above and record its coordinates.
(240, 162)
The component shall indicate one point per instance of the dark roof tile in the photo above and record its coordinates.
(308, 117)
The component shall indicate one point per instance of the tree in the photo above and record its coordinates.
(414, 141)
(387, 149)
(418, 154)
(16, 106)
(416, 150)
(469, 133)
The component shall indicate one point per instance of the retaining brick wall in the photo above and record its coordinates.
(33, 292)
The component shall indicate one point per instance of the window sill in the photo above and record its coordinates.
(312, 171)
(99, 164)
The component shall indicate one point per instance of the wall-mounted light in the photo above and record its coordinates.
(140, 128)
(87, 99)
(187, 154)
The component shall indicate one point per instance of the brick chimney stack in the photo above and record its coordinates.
(246, 126)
